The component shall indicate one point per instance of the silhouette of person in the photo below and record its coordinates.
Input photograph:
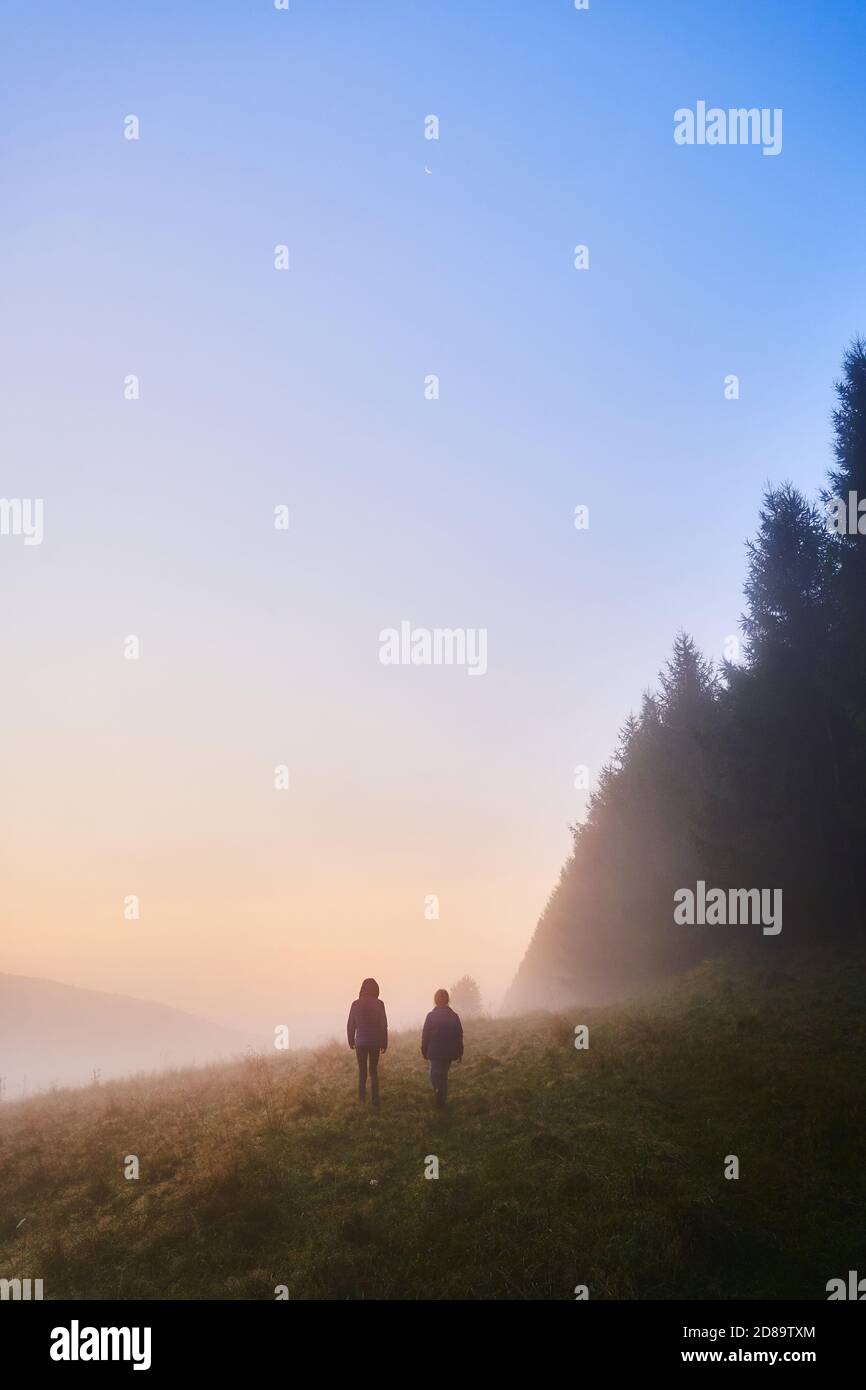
(367, 1030)
(441, 1044)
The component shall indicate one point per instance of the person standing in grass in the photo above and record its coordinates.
(367, 1030)
(441, 1044)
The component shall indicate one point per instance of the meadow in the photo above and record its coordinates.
(557, 1166)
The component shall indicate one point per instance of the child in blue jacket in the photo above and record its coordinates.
(441, 1044)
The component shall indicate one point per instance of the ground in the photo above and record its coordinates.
(558, 1167)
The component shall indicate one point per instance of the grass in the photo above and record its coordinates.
(558, 1167)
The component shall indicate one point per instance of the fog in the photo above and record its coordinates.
(52, 1034)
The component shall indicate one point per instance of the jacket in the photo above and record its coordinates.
(367, 1025)
(442, 1035)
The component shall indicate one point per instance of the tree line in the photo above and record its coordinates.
(743, 774)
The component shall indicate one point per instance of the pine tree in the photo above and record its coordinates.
(849, 421)
(785, 738)
(791, 567)
(847, 484)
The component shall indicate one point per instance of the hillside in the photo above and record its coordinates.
(557, 1166)
(54, 1034)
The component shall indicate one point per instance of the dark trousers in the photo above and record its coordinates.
(368, 1055)
(439, 1080)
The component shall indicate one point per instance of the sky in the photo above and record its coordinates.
(304, 388)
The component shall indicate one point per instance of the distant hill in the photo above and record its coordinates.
(557, 1166)
(54, 1034)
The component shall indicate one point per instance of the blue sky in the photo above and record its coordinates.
(558, 387)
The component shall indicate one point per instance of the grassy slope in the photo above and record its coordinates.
(558, 1167)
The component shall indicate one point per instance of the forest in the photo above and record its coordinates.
(743, 775)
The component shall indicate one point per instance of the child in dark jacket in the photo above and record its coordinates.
(441, 1044)
(367, 1030)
